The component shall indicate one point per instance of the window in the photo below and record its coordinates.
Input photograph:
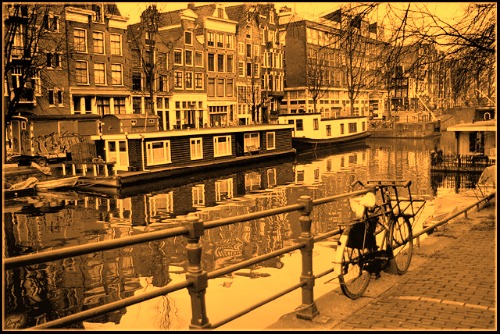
(158, 152)
(119, 105)
(220, 63)
(220, 87)
(224, 189)
(299, 125)
(50, 22)
(80, 40)
(115, 44)
(98, 41)
(316, 124)
(353, 127)
(198, 80)
(241, 69)
(136, 81)
(189, 80)
(211, 62)
(198, 59)
(137, 105)
(196, 148)
(81, 72)
(222, 146)
(229, 87)
(241, 48)
(100, 73)
(178, 57)
(188, 54)
(97, 15)
(271, 140)
(53, 60)
(229, 41)
(211, 87)
(116, 74)
(251, 142)
(51, 97)
(249, 69)
(163, 83)
(229, 64)
(162, 60)
(103, 106)
(136, 58)
(210, 39)
(328, 130)
(220, 40)
(178, 77)
(342, 130)
(188, 38)
(249, 50)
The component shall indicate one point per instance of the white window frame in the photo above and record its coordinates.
(113, 71)
(86, 70)
(158, 152)
(112, 45)
(198, 195)
(251, 139)
(270, 140)
(94, 33)
(79, 37)
(222, 146)
(196, 148)
(104, 74)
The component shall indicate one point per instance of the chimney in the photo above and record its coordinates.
(191, 5)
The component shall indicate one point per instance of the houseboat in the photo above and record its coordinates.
(475, 143)
(140, 156)
(311, 131)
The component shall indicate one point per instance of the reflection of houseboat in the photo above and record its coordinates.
(311, 131)
(476, 144)
(143, 156)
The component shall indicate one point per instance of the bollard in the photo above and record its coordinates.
(308, 309)
(196, 274)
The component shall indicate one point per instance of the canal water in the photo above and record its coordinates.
(39, 293)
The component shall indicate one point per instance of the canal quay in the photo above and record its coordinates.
(38, 293)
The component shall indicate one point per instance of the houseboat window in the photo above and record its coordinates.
(353, 127)
(271, 140)
(316, 124)
(253, 181)
(299, 125)
(196, 148)
(123, 146)
(328, 130)
(342, 130)
(112, 146)
(222, 146)
(252, 142)
(363, 126)
(198, 193)
(158, 152)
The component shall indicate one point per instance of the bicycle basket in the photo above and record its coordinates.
(357, 234)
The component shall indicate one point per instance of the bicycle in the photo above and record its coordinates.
(380, 238)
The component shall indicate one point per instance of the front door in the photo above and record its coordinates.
(117, 152)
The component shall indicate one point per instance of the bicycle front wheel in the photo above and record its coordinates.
(349, 263)
(401, 241)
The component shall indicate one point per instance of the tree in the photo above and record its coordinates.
(29, 31)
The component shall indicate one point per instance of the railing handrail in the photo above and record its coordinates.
(196, 278)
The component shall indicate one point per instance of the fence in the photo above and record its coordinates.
(464, 163)
(197, 279)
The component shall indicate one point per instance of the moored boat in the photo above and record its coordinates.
(58, 184)
(312, 131)
(20, 189)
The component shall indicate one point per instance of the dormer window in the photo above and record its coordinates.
(98, 13)
(220, 13)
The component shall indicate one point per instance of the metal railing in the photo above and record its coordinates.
(196, 278)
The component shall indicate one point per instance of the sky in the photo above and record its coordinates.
(307, 10)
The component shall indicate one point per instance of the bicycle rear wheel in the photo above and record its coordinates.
(401, 241)
(349, 263)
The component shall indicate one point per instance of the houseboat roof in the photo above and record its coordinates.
(195, 132)
(130, 116)
(489, 125)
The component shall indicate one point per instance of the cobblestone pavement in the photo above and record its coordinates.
(451, 284)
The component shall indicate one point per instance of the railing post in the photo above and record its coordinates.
(308, 309)
(196, 274)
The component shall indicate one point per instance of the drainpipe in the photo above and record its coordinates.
(142, 153)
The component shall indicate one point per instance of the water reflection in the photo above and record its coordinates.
(36, 294)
